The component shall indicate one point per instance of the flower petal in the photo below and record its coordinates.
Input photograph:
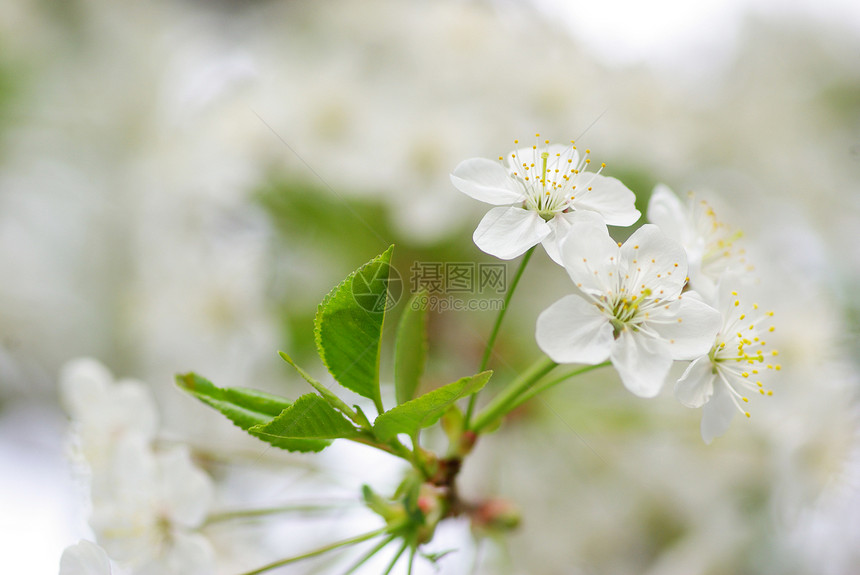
(696, 386)
(83, 382)
(717, 414)
(186, 553)
(588, 253)
(558, 228)
(655, 260)
(666, 211)
(606, 196)
(186, 491)
(486, 181)
(572, 330)
(689, 325)
(84, 558)
(507, 232)
(641, 361)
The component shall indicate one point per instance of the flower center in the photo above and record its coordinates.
(554, 186)
(739, 356)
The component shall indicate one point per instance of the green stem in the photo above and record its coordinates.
(396, 557)
(505, 402)
(488, 350)
(553, 382)
(320, 551)
(253, 513)
(328, 395)
(376, 549)
(394, 447)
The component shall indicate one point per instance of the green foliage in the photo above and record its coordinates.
(330, 397)
(424, 411)
(310, 417)
(410, 350)
(348, 327)
(246, 408)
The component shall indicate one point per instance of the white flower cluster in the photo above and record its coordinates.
(146, 502)
(671, 292)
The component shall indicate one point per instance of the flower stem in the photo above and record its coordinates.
(262, 512)
(370, 554)
(505, 402)
(319, 551)
(396, 557)
(488, 350)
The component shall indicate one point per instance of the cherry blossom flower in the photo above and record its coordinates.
(147, 512)
(103, 411)
(735, 365)
(537, 193)
(628, 307)
(709, 243)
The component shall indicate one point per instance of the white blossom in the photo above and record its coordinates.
(147, 511)
(709, 243)
(720, 381)
(537, 194)
(628, 307)
(103, 411)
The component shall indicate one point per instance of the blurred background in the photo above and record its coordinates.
(181, 182)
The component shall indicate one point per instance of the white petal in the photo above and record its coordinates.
(641, 361)
(84, 558)
(186, 491)
(655, 260)
(487, 181)
(696, 386)
(572, 330)
(705, 286)
(559, 154)
(667, 212)
(187, 554)
(588, 253)
(133, 407)
(717, 414)
(508, 232)
(558, 228)
(689, 325)
(606, 196)
(82, 383)
(128, 480)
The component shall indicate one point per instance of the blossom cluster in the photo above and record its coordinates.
(147, 502)
(677, 289)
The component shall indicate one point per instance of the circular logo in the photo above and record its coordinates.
(377, 288)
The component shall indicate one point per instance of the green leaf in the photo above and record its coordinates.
(310, 417)
(424, 411)
(330, 397)
(246, 408)
(410, 349)
(348, 327)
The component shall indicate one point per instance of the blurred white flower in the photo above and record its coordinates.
(146, 512)
(736, 363)
(538, 194)
(105, 412)
(629, 307)
(708, 242)
(85, 558)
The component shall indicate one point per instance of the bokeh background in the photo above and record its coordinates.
(181, 182)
